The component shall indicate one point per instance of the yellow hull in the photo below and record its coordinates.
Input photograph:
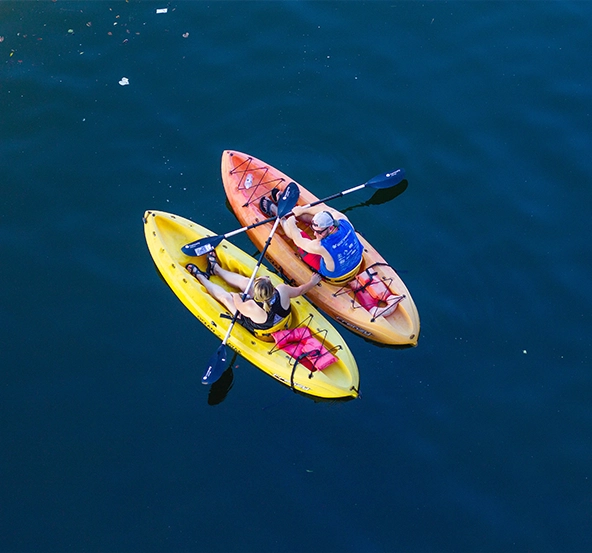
(245, 180)
(166, 234)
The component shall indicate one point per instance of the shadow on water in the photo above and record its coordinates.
(290, 392)
(219, 389)
(382, 196)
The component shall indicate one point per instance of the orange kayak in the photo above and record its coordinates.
(375, 304)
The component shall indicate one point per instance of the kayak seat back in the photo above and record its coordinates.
(347, 277)
(267, 334)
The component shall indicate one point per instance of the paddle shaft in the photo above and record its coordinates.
(252, 279)
(312, 204)
(380, 181)
(213, 370)
(202, 246)
(286, 202)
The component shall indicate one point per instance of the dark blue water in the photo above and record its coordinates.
(478, 439)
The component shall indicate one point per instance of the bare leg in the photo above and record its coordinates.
(306, 218)
(235, 280)
(217, 292)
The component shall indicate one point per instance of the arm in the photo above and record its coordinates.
(307, 213)
(249, 308)
(295, 291)
(293, 233)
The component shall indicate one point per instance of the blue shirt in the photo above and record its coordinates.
(345, 249)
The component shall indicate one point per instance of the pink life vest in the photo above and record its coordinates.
(300, 341)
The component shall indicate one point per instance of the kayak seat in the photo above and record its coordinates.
(267, 334)
(347, 277)
(303, 346)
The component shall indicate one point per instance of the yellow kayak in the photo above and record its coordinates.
(376, 305)
(165, 235)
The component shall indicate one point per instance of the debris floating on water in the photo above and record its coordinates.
(162, 10)
(124, 81)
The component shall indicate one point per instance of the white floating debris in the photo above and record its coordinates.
(124, 81)
(162, 10)
(524, 352)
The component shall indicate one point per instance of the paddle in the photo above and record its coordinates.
(204, 245)
(217, 362)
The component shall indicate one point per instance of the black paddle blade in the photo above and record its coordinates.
(202, 246)
(288, 199)
(216, 365)
(387, 179)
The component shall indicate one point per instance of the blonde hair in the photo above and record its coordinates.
(263, 291)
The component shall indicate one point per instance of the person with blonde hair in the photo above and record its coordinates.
(264, 306)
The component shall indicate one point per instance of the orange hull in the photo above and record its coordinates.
(245, 180)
